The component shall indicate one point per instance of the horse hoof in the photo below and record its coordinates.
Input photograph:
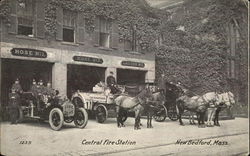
(123, 125)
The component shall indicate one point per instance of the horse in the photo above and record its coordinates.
(225, 100)
(197, 104)
(136, 104)
(158, 98)
(191, 118)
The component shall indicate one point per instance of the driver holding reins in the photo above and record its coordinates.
(111, 82)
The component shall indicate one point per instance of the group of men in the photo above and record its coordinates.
(37, 89)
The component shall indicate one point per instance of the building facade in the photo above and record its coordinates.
(74, 58)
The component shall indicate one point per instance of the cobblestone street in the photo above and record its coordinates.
(103, 139)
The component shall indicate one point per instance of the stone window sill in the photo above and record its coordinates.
(26, 37)
(69, 43)
(105, 48)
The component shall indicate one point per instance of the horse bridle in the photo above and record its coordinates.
(229, 99)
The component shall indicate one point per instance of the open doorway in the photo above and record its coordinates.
(83, 78)
(126, 76)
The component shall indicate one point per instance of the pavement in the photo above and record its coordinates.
(32, 138)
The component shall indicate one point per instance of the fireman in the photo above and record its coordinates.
(17, 87)
(14, 104)
(34, 88)
(111, 83)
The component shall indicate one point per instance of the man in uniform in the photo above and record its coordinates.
(49, 91)
(17, 87)
(33, 88)
(40, 92)
(111, 82)
(14, 104)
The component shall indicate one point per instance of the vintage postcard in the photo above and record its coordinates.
(124, 77)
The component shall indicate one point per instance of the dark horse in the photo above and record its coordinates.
(136, 104)
(153, 106)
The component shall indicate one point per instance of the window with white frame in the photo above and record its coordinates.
(105, 28)
(25, 18)
(69, 25)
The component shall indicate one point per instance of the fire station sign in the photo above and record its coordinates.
(88, 59)
(133, 64)
(28, 52)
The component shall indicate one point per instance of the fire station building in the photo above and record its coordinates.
(74, 59)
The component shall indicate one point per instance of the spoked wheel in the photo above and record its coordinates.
(56, 119)
(81, 118)
(172, 114)
(77, 101)
(160, 113)
(101, 113)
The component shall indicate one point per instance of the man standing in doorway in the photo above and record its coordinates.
(40, 92)
(14, 101)
(17, 87)
(33, 88)
(111, 82)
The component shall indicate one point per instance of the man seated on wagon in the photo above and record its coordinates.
(111, 82)
(48, 90)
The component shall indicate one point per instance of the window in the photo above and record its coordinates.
(131, 43)
(25, 18)
(105, 28)
(233, 39)
(69, 25)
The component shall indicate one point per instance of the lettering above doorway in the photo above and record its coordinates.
(28, 52)
(133, 64)
(88, 59)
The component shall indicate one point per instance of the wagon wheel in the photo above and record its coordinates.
(81, 118)
(101, 113)
(160, 113)
(56, 119)
(172, 114)
(77, 101)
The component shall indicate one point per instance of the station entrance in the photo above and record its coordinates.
(83, 78)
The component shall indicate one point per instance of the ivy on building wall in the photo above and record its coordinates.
(5, 11)
(127, 13)
(196, 41)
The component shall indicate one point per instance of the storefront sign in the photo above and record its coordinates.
(28, 52)
(88, 59)
(133, 64)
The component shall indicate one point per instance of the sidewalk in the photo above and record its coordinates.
(68, 141)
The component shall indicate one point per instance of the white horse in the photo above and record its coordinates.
(225, 100)
(197, 104)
